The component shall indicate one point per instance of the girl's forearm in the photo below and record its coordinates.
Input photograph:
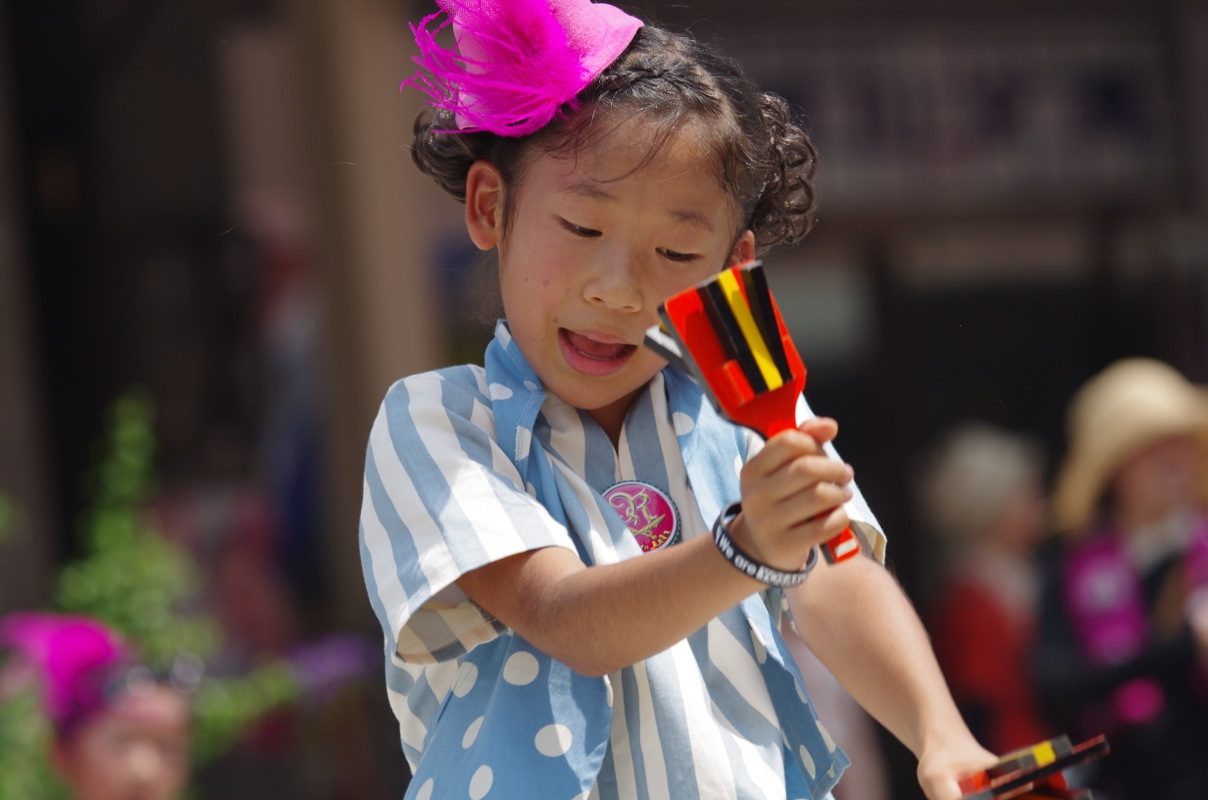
(857, 620)
(601, 618)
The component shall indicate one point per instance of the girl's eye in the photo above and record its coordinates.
(672, 255)
(579, 230)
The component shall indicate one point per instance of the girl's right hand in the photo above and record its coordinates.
(792, 496)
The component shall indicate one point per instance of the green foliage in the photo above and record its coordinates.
(131, 576)
(224, 708)
(24, 769)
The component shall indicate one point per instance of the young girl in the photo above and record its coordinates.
(981, 494)
(1124, 636)
(535, 532)
(118, 731)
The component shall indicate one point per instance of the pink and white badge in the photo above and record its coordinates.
(648, 512)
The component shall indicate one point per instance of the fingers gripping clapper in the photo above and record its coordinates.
(1034, 772)
(728, 334)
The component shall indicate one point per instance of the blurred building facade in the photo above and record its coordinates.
(214, 200)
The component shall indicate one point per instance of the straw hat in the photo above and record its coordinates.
(1131, 404)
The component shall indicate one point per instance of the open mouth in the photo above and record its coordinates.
(593, 356)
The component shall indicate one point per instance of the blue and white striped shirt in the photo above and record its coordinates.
(469, 465)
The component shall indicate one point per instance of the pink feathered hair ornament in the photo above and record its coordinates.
(518, 62)
(71, 656)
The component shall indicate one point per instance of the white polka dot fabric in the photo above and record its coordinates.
(469, 465)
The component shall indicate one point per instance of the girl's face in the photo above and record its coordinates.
(596, 242)
(1162, 478)
(138, 749)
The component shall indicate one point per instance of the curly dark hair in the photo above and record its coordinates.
(766, 160)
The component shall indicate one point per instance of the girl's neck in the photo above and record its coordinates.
(611, 422)
(611, 418)
(1151, 538)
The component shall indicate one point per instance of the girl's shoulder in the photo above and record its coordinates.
(469, 378)
(460, 390)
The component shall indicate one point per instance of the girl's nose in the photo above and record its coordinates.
(613, 283)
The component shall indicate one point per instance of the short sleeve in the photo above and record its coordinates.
(440, 499)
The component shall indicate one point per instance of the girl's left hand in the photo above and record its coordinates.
(941, 767)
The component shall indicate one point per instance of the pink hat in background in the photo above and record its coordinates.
(71, 655)
(517, 61)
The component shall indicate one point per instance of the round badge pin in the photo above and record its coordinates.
(648, 512)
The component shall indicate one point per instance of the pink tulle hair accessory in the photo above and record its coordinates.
(518, 62)
(70, 654)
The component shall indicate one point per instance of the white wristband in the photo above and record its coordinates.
(749, 566)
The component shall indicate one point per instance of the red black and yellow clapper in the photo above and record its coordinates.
(728, 334)
(1035, 772)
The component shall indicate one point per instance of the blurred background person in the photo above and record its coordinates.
(981, 499)
(278, 712)
(1119, 627)
(118, 731)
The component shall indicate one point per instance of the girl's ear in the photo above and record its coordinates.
(743, 250)
(484, 204)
